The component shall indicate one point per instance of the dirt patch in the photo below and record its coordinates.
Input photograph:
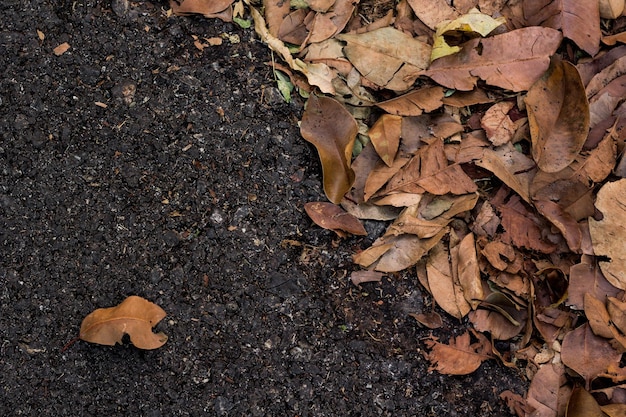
(136, 164)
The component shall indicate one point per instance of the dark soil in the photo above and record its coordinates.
(187, 189)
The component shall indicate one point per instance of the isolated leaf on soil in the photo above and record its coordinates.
(385, 136)
(210, 9)
(459, 356)
(431, 320)
(558, 114)
(579, 20)
(359, 277)
(609, 234)
(332, 217)
(513, 60)
(332, 130)
(135, 316)
(387, 57)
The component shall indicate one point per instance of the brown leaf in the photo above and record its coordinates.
(406, 251)
(332, 217)
(459, 356)
(332, 130)
(579, 20)
(558, 114)
(513, 60)
(429, 171)
(446, 291)
(522, 227)
(387, 57)
(61, 49)
(614, 410)
(587, 354)
(497, 123)
(549, 393)
(431, 320)
(359, 277)
(415, 102)
(617, 310)
(512, 167)
(602, 104)
(586, 278)
(609, 234)
(469, 272)
(433, 12)
(135, 316)
(582, 404)
(385, 136)
(467, 98)
(598, 316)
(292, 28)
(275, 13)
(211, 9)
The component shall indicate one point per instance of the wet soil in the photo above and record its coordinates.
(135, 163)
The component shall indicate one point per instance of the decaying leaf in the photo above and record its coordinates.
(513, 60)
(332, 217)
(558, 114)
(332, 130)
(459, 356)
(587, 278)
(135, 316)
(587, 354)
(387, 57)
(415, 102)
(609, 234)
(497, 123)
(446, 290)
(548, 392)
(579, 20)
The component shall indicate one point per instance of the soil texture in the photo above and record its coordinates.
(136, 164)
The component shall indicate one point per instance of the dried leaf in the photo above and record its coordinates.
(387, 57)
(61, 49)
(211, 9)
(447, 292)
(433, 12)
(586, 278)
(582, 404)
(135, 316)
(609, 234)
(385, 136)
(558, 114)
(497, 123)
(332, 130)
(275, 13)
(548, 393)
(513, 168)
(415, 102)
(406, 251)
(359, 277)
(579, 20)
(598, 316)
(469, 272)
(500, 316)
(329, 216)
(431, 320)
(513, 60)
(587, 354)
(459, 356)
(429, 171)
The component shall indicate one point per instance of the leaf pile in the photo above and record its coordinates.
(490, 135)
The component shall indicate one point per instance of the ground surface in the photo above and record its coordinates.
(188, 192)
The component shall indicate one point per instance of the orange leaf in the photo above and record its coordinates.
(212, 9)
(135, 316)
(458, 357)
(558, 115)
(332, 130)
(385, 136)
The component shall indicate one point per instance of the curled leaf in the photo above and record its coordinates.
(332, 130)
(135, 316)
(332, 217)
(558, 115)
